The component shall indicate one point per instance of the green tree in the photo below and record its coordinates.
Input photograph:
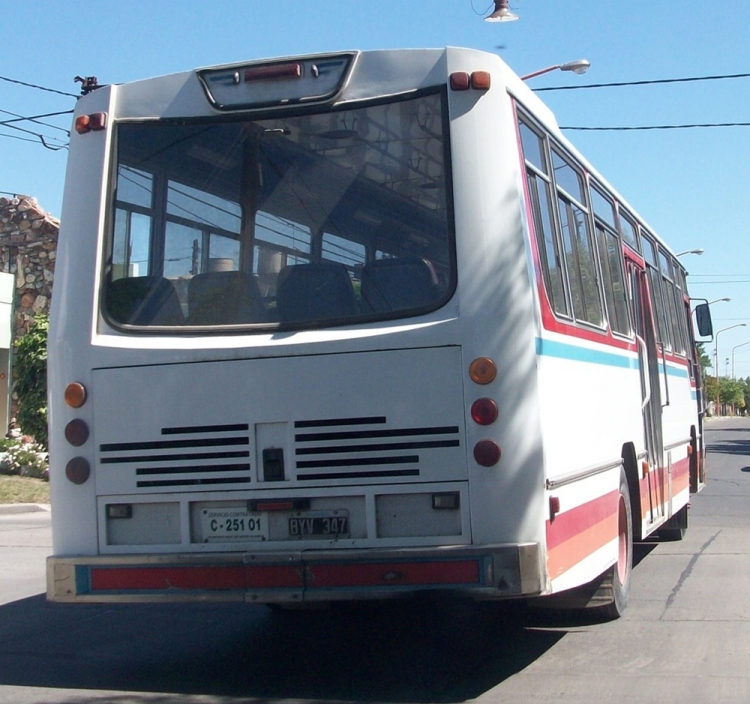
(30, 369)
(731, 392)
(703, 359)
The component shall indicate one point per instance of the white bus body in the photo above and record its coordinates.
(232, 419)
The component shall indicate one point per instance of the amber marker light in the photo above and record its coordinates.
(83, 124)
(480, 80)
(75, 394)
(482, 370)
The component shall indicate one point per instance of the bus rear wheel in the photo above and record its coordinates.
(615, 585)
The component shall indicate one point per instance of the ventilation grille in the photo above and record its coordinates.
(361, 448)
(211, 455)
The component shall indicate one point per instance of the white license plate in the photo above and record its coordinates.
(222, 525)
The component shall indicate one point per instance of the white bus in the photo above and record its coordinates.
(351, 326)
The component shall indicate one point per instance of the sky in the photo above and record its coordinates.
(689, 185)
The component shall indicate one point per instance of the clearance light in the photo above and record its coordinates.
(77, 432)
(554, 506)
(82, 124)
(484, 411)
(270, 73)
(480, 80)
(487, 453)
(482, 370)
(78, 470)
(91, 123)
(75, 394)
(646, 468)
(460, 80)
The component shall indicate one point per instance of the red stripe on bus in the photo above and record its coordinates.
(390, 574)
(566, 525)
(209, 577)
(568, 554)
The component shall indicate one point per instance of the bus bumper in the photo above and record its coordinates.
(496, 571)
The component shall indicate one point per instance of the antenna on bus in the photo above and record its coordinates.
(88, 83)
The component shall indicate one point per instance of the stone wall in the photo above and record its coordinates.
(28, 247)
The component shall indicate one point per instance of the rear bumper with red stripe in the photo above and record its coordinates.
(490, 571)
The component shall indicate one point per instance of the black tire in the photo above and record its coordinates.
(615, 585)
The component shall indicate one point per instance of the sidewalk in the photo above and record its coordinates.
(6, 509)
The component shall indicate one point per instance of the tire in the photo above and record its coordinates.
(615, 585)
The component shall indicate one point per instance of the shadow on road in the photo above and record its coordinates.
(420, 650)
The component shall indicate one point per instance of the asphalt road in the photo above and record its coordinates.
(684, 638)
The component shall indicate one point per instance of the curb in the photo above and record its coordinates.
(6, 509)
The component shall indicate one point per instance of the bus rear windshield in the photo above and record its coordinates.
(292, 221)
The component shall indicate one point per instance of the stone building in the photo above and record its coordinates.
(28, 247)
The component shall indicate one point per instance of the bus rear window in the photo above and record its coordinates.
(304, 221)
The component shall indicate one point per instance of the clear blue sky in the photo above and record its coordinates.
(690, 185)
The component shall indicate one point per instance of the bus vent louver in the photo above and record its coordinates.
(210, 455)
(364, 448)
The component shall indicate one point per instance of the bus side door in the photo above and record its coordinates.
(648, 362)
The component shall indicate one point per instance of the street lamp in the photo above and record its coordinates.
(691, 251)
(710, 303)
(716, 357)
(578, 66)
(733, 349)
(501, 13)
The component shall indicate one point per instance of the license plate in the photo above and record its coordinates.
(222, 525)
(319, 524)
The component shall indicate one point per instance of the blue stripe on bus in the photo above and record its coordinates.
(563, 350)
(550, 348)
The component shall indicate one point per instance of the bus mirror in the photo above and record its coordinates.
(703, 319)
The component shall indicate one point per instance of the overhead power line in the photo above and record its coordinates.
(31, 85)
(658, 127)
(36, 119)
(619, 84)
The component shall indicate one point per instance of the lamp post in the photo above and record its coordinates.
(733, 349)
(578, 66)
(716, 357)
(501, 13)
(691, 251)
(710, 303)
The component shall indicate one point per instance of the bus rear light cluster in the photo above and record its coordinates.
(91, 123)
(478, 80)
(78, 470)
